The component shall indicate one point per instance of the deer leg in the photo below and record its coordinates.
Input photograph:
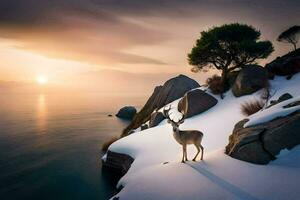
(186, 159)
(202, 150)
(183, 154)
(198, 151)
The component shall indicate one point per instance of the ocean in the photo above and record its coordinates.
(50, 144)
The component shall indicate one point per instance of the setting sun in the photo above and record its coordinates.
(42, 80)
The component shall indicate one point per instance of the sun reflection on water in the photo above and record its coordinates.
(41, 113)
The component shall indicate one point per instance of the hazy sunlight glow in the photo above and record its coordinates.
(41, 79)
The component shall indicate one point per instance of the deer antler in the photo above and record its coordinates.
(166, 112)
(181, 119)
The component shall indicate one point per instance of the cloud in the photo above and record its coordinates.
(78, 30)
(104, 31)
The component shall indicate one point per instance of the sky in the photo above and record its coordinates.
(133, 43)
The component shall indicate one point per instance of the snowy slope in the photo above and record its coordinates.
(218, 176)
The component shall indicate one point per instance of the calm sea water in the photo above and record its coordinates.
(50, 145)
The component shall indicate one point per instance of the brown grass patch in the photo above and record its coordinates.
(249, 108)
(215, 84)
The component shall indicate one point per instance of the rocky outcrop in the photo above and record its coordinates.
(286, 65)
(117, 163)
(195, 102)
(162, 95)
(250, 79)
(155, 119)
(261, 143)
(126, 112)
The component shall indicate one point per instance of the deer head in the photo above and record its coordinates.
(175, 125)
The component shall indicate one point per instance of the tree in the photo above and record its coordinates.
(227, 48)
(290, 35)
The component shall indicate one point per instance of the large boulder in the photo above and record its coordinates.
(156, 118)
(250, 79)
(195, 102)
(261, 143)
(172, 89)
(126, 112)
(286, 65)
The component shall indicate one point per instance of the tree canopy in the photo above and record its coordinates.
(290, 35)
(228, 47)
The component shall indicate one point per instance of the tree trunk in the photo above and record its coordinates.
(223, 75)
(295, 46)
(224, 81)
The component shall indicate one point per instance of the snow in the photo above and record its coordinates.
(218, 176)
(273, 112)
(174, 114)
(283, 153)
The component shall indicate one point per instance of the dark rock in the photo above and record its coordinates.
(282, 98)
(293, 104)
(195, 102)
(286, 65)
(289, 77)
(117, 163)
(155, 119)
(131, 131)
(261, 143)
(109, 115)
(172, 89)
(126, 112)
(250, 79)
(232, 77)
(144, 127)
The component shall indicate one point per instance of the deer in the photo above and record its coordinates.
(185, 137)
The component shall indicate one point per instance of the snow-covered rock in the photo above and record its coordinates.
(261, 143)
(279, 110)
(283, 97)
